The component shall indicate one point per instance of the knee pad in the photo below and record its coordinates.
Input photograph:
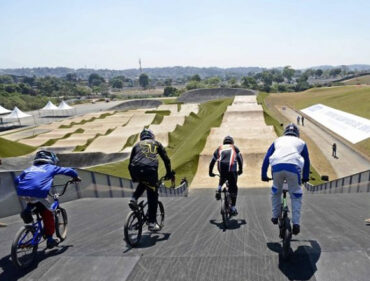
(297, 195)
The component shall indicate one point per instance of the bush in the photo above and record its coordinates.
(170, 91)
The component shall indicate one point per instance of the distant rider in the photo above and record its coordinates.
(143, 168)
(287, 155)
(230, 165)
(33, 185)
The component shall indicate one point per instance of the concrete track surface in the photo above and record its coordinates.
(244, 121)
(333, 244)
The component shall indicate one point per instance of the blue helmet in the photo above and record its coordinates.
(45, 157)
(228, 140)
(146, 134)
(291, 130)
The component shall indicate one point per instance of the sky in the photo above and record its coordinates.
(114, 34)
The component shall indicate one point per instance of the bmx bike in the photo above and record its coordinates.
(27, 239)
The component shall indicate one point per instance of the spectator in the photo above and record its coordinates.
(298, 119)
(334, 150)
(302, 119)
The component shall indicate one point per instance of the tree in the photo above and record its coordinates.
(144, 80)
(318, 72)
(170, 91)
(195, 77)
(71, 77)
(288, 73)
(249, 82)
(116, 83)
(168, 82)
(95, 80)
(213, 81)
(232, 82)
(335, 72)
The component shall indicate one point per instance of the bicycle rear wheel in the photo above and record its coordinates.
(225, 216)
(133, 228)
(61, 223)
(286, 243)
(23, 251)
(160, 214)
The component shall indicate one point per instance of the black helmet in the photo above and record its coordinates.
(228, 140)
(45, 157)
(146, 134)
(291, 130)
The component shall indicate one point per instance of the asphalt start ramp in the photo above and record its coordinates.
(244, 121)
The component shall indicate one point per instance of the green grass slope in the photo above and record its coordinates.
(13, 149)
(358, 80)
(185, 143)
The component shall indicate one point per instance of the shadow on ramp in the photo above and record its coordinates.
(233, 224)
(149, 239)
(11, 272)
(302, 262)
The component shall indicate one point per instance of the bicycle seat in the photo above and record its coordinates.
(285, 186)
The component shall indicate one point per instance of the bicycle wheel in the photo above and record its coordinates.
(61, 223)
(224, 214)
(160, 214)
(133, 228)
(23, 250)
(286, 244)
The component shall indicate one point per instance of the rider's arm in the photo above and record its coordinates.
(167, 162)
(266, 162)
(65, 171)
(306, 166)
(239, 158)
(213, 161)
(19, 178)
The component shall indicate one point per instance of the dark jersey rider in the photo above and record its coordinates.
(230, 165)
(143, 169)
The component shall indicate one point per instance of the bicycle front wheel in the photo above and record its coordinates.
(24, 250)
(61, 223)
(286, 244)
(160, 214)
(225, 216)
(133, 228)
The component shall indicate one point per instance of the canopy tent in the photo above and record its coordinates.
(16, 114)
(49, 106)
(65, 109)
(3, 110)
(49, 109)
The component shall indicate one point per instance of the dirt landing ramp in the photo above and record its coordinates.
(244, 121)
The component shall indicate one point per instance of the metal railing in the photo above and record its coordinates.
(359, 182)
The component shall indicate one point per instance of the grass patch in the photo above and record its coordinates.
(130, 141)
(358, 80)
(80, 148)
(351, 99)
(315, 178)
(13, 149)
(159, 115)
(53, 141)
(83, 121)
(185, 143)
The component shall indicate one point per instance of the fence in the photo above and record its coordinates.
(359, 182)
(93, 185)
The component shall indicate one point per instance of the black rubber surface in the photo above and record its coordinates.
(334, 243)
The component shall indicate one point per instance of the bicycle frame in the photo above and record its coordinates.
(37, 235)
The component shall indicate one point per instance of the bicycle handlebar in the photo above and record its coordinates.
(65, 187)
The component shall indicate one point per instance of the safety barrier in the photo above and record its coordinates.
(359, 182)
(93, 185)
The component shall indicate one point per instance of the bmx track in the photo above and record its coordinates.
(333, 244)
(244, 121)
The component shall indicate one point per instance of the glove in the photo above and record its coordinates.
(265, 178)
(240, 172)
(211, 174)
(305, 180)
(169, 175)
(77, 179)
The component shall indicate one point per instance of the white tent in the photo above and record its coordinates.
(3, 110)
(65, 109)
(49, 109)
(16, 114)
(49, 106)
(64, 106)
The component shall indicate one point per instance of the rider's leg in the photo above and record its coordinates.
(276, 189)
(295, 192)
(152, 194)
(49, 224)
(138, 191)
(233, 188)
